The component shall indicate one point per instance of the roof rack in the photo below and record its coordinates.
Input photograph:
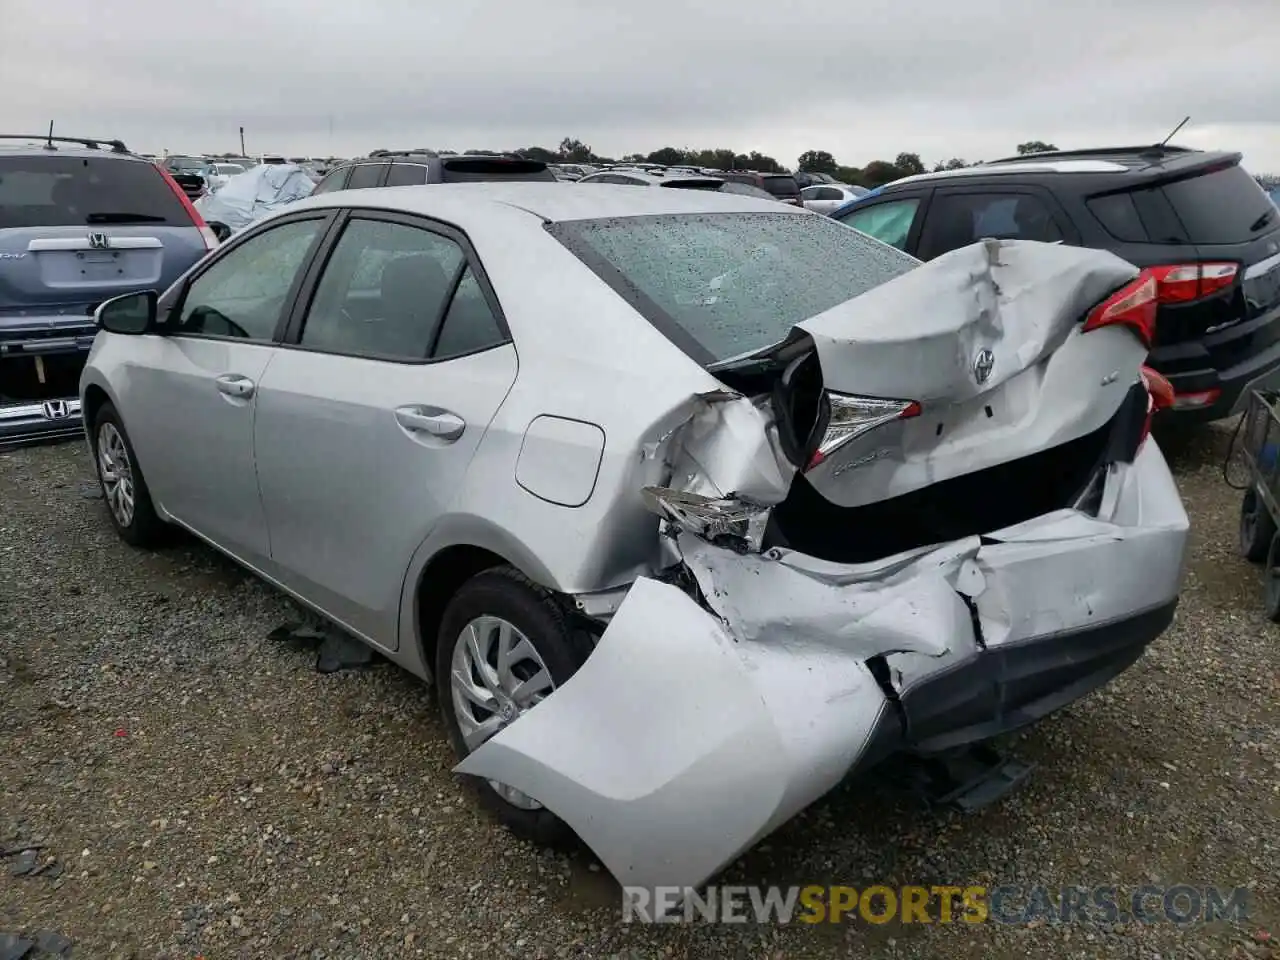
(116, 146)
(1145, 150)
(423, 152)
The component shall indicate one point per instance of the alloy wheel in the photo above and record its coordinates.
(116, 473)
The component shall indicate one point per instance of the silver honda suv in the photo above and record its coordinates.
(81, 221)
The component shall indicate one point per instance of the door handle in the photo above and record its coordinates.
(234, 385)
(439, 423)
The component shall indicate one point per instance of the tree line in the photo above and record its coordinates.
(874, 174)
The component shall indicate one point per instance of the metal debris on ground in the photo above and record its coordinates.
(334, 650)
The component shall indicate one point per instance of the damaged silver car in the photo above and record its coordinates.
(690, 506)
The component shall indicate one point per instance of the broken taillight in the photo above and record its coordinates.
(1133, 305)
(852, 417)
(1160, 396)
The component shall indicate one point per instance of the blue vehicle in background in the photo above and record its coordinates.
(81, 221)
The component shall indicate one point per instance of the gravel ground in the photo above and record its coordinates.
(201, 790)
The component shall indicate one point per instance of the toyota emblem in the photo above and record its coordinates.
(983, 364)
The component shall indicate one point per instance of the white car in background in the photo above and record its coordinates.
(825, 197)
(689, 504)
(219, 173)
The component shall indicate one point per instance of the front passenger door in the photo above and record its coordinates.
(369, 415)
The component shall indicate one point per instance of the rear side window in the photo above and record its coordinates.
(723, 285)
(782, 186)
(54, 191)
(959, 219)
(1224, 206)
(1118, 215)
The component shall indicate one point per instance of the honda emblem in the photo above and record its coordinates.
(55, 409)
(983, 364)
(99, 241)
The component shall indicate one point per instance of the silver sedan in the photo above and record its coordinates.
(690, 505)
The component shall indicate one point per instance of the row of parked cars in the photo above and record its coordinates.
(589, 458)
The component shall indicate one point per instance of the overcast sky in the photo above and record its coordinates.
(863, 80)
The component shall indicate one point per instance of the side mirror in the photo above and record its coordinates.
(131, 313)
(220, 230)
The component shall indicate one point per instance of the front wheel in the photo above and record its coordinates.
(123, 486)
(504, 645)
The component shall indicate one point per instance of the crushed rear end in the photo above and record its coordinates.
(931, 515)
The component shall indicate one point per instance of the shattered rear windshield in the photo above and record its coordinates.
(722, 285)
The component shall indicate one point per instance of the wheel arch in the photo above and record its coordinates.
(457, 550)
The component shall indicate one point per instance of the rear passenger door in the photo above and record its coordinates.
(959, 216)
(395, 360)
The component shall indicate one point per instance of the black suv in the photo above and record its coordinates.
(405, 168)
(1195, 220)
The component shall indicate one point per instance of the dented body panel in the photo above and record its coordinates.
(739, 714)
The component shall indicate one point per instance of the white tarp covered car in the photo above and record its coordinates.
(690, 504)
(249, 196)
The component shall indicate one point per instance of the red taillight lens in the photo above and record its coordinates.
(1187, 282)
(851, 417)
(210, 238)
(1160, 396)
(1133, 306)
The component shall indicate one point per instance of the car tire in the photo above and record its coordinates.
(1272, 592)
(504, 595)
(1256, 527)
(120, 476)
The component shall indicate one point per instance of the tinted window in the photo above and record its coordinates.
(382, 291)
(959, 219)
(407, 175)
(468, 169)
(888, 222)
(334, 181)
(721, 285)
(781, 186)
(745, 190)
(469, 324)
(1119, 216)
(365, 175)
(1225, 206)
(49, 191)
(244, 292)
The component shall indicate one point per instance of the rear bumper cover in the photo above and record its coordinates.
(693, 731)
(1190, 369)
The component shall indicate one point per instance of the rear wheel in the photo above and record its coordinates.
(1273, 580)
(504, 645)
(123, 486)
(1257, 529)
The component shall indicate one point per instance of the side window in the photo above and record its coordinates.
(888, 222)
(335, 180)
(407, 175)
(244, 292)
(383, 291)
(365, 175)
(959, 219)
(469, 325)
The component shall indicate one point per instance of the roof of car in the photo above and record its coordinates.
(551, 201)
(63, 150)
(1097, 160)
(658, 177)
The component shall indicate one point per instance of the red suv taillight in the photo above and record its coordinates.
(1186, 282)
(210, 238)
(1133, 305)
